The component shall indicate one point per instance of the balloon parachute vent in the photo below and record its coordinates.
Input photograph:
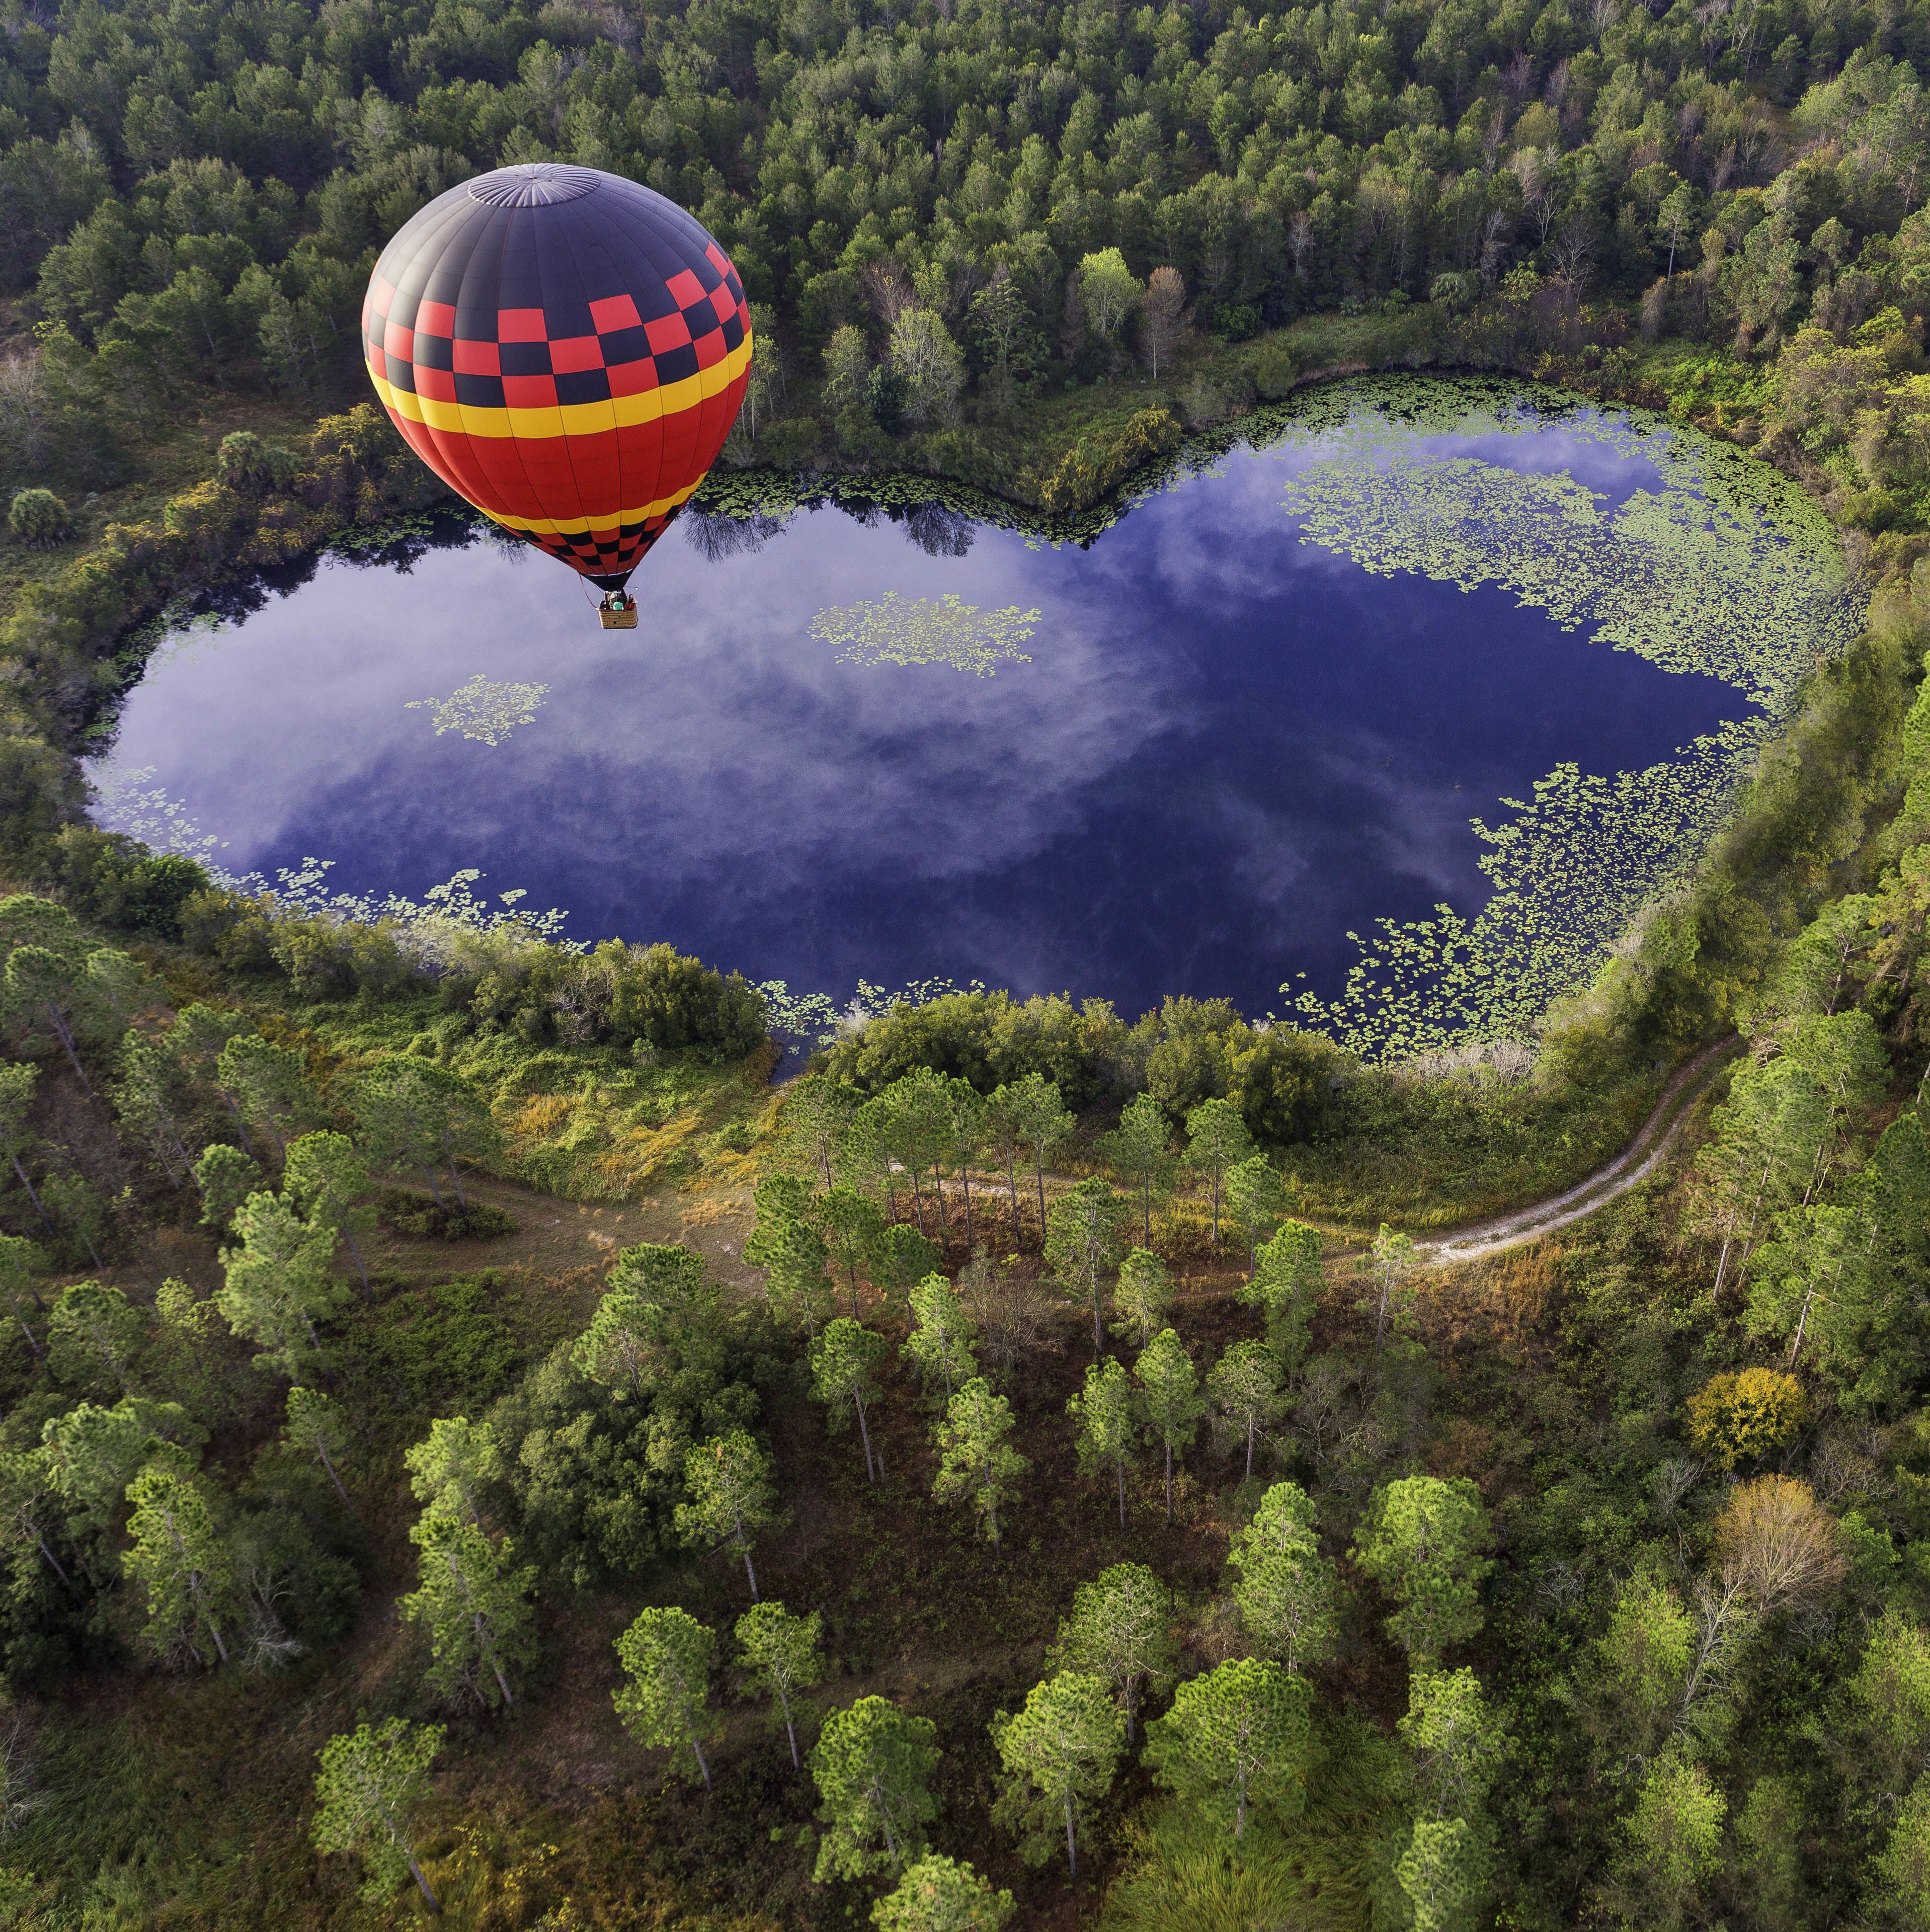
(532, 184)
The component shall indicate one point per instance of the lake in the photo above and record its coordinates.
(1259, 714)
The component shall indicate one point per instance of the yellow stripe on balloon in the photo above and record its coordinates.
(568, 418)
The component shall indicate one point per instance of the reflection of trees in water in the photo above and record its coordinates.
(715, 535)
(506, 544)
(938, 531)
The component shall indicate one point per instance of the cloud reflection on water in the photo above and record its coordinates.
(1229, 748)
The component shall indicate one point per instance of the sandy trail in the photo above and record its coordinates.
(1634, 1164)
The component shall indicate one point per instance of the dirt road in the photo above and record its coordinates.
(1633, 1164)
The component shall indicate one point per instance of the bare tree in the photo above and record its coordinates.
(1164, 320)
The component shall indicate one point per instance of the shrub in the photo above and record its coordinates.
(40, 518)
(422, 1216)
(245, 463)
(1276, 369)
(1097, 463)
(1737, 1417)
(1281, 1081)
(110, 880)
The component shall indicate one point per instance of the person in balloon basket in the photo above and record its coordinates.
(616, 601)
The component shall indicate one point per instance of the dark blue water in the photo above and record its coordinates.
(1227, 749)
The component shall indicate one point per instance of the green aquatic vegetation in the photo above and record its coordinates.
(1726, 570)
(892, 629)
(483, 708)
(1721, 571)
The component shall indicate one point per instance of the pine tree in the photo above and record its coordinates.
(1082, 1236)
(1422, 1540)
(1254, 1202)
(1139, 1149)
(372, 1780)
(1287, 1592)
(1237, 1737)
(180, 1563)
(1106, 1431)
(225, 1177)
(666, 1704)
(787, 1246)
(1142, 1296)
(1121, 1629)
(94, 1335)
(622, 1348)
(780, 1659)
(326, 1177)
(22, 1265)
(853, 1230)
(316, 1426)
(1170, 1398)
(1216, 1141)
(1060, 1753)
(411, 1114)
(474, 1606)
(277, 1283)
(872, 1764)
(270, 1086)
(844, 1362)
(1285, 1286)
(941, 1894)
(727, 1479)
(941, 1336)
(1244, 1389)
(455, 1466)
(1387, 1265)
(975, 1459)
(1041, 1120)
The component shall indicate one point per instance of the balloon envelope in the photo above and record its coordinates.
(565, 349)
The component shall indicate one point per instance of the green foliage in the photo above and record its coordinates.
(447, 1339)
(277, 1284)
(1672, 1839)
(1060, 1755)
(941, 1894)
(372, 1780)
(1236, 1739)
(1421, 1540)
(975, 1460)
(595, 1481)
(1743, 1414)
(666, 1656)
(872, 1764)
(1144, 1290)
(39, 518)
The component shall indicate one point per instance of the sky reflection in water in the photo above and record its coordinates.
(1227, 749)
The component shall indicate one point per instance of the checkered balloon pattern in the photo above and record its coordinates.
(565, 349)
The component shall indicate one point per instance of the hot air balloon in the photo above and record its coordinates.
(567, 350)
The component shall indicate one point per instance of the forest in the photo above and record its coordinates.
(475, 1446)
